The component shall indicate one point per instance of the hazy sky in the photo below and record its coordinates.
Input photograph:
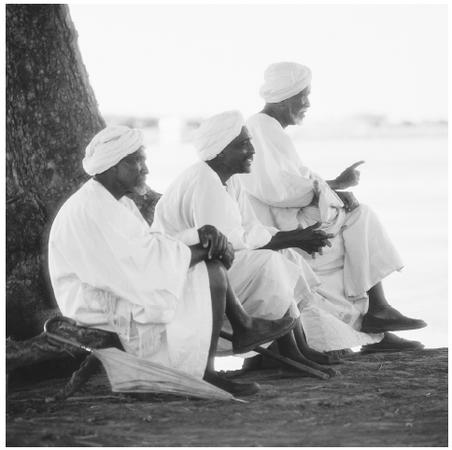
(202, 59)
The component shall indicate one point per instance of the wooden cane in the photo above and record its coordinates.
(282, 359)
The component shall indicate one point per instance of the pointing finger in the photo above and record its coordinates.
(356, 164)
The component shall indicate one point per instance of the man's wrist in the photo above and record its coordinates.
(278, 241)
(334, 184)
(198, 254)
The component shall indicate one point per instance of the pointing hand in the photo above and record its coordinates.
(349, 177)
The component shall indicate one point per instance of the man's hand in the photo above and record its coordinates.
(349, 200)
(349, 177)
(308, 239)
(228, 256)
(213, 240)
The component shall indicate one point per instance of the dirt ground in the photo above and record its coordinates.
(378, 400)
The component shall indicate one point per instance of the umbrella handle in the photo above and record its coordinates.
(63, 340)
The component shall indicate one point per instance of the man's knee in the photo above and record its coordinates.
(272, 259)
(267, 256)
(362, 212)
(364, 209)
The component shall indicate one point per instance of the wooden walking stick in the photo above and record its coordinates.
(283, 359)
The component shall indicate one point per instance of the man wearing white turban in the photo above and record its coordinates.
(285, 193)
(164, 299)
(268, 283)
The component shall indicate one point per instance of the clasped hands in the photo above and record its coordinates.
(217, 244)
(309, 239)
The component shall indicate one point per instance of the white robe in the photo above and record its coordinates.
(110, 272)
(281, 191)
(267, 283)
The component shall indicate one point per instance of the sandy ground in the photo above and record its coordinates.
(379, 400)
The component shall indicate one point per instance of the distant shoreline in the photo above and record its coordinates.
(365, 126)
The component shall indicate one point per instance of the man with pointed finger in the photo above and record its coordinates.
(285, 193)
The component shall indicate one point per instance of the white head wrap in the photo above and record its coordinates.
(215, 133)
(284, 80)
(109, 146)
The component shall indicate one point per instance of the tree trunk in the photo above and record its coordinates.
(51, 114)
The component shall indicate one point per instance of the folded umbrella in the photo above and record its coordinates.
(128, 373)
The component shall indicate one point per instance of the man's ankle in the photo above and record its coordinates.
(375, 309)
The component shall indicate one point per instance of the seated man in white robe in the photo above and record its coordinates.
(268, 283)
(285, 194)
(164, 299)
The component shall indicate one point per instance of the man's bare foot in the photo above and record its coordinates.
(308, 362)
(320, 357)
(260, 331)
(392, 343)
(288, 348)
(389, 319)
(233, 387)
(314, 355)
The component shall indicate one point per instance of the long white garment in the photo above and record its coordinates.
(281, 191)
(110, 272)
(267, 283)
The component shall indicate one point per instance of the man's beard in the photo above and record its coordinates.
(142, 189)
(298, 119)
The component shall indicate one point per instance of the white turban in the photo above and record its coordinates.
(215, 133)
(284, 80)
(109, 146)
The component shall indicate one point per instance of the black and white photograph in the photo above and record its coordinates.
(226, 224)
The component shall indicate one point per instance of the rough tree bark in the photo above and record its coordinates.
(51, 114)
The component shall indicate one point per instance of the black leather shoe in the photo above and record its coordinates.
(233, 387)
(392, 343)
(260, 332)
(389, 319)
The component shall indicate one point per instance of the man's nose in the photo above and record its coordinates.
(144, 169)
